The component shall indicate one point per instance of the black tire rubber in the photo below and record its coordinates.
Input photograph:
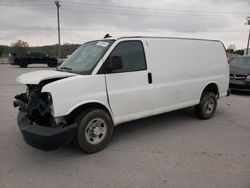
(200, 109)
(83, 120)
(23, 64)
(52, 64)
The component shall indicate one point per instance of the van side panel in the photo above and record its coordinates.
(182, 68)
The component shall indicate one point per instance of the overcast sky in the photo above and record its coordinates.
(82, 20)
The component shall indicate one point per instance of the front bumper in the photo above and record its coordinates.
(240, 85)
(45, 138)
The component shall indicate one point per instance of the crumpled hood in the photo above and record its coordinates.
(38, 76)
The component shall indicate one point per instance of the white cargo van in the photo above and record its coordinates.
(114, 80)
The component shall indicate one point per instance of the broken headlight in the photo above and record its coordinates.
(27, 92)
(50, 102)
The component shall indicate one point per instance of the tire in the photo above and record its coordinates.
(23, 64)
(95, 130)
(207, 106)
(52, 64)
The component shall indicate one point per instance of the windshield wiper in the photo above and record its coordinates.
(65, 68)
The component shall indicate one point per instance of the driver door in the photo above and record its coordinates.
(129, 87)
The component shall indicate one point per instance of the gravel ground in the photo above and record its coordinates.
(169, 150)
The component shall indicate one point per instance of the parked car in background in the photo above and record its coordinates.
(36, 58)
(240, 73)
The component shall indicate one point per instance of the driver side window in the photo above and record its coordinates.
(131, 54)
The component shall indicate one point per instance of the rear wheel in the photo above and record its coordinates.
(52, 64)
(207, 106)
(95, 130)
(23, 64)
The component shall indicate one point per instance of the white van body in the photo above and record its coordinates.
(177, 72)
(181, 69)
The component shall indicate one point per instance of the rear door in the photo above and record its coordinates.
(129, 88)
(43, 58)
(35, 57)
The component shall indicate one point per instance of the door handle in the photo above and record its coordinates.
(150, 78)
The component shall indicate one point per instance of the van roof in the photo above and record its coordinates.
(149, 37)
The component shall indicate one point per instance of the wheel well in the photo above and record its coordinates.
(76, 112)
(212, 87)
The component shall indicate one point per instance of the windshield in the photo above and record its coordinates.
(240, 61)
(86, 57)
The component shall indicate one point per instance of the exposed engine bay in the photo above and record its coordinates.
(36, 105)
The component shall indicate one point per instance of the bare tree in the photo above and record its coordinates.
(20, 47)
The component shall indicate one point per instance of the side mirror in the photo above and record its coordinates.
(116, 63)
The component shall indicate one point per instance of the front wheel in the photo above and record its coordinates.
(23, 64)
(95, 130)
(207, 106)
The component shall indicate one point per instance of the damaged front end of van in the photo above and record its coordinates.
(35, 118)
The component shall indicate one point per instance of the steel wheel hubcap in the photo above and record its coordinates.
(96, 131)
(209, 106)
